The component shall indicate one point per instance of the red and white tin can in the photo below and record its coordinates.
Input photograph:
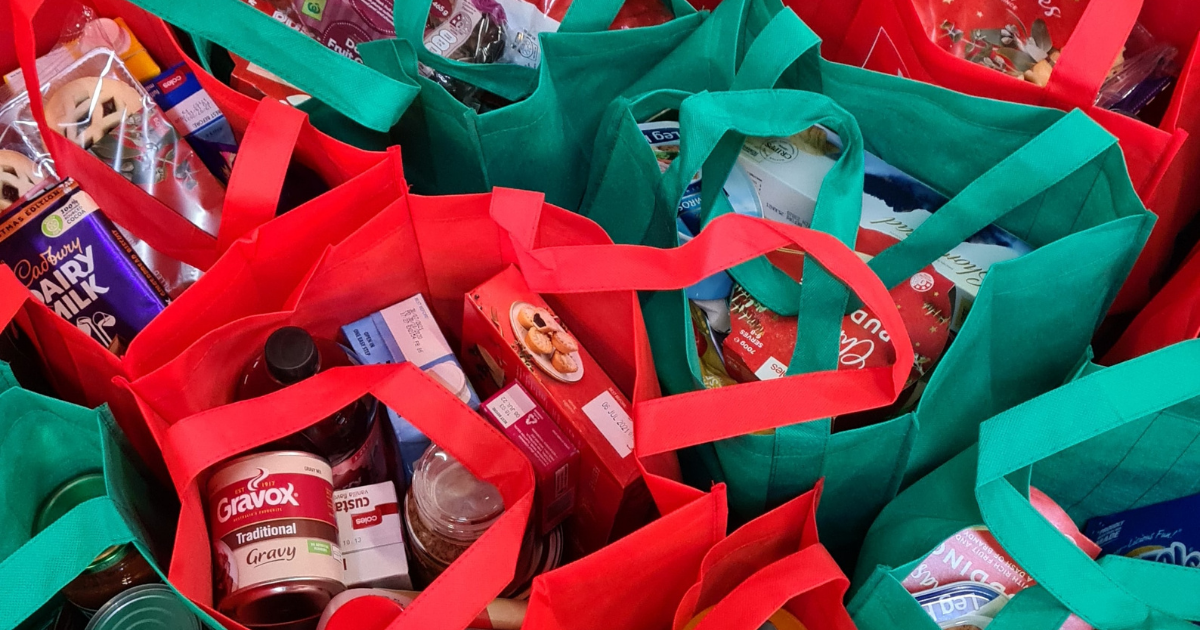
(275, 538)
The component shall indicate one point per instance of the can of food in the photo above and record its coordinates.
(274, 534)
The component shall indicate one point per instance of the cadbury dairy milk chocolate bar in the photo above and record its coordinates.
(79, 265)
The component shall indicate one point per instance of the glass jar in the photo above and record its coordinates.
(115, 570)
(446, 509)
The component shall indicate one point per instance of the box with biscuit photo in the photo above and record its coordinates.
(511, 334)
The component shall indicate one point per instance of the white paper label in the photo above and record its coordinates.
(415, 331)
(510, 406)
(614, 424)
(773, 368)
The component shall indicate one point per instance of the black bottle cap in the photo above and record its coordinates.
(291, 355)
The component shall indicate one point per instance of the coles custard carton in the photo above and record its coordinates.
(510, 334)
(371, 537)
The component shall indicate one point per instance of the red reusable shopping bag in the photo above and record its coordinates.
(1172, 316)
(888, 36)
(271, 135)
(193, 445)
(443, 247)
(663, 575)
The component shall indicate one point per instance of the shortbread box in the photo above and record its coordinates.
(371, 537)
(511, 334)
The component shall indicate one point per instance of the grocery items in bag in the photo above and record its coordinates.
(447, 509)
(114, 571)
(79, 264)
(276, 550)
(83, 32)
(973, 558)
(1163, 532)
(555, 459)
(1024, 39)
(341, 25)
(372, 537)
(500, 614)
(407, 332)
(351, 439)
(511, 334)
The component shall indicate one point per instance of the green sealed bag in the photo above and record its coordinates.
(544, 141)
(46, 444)
(1056, 181)
(1112, 439)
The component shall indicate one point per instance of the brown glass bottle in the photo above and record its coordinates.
(115, 570)
(350, 439)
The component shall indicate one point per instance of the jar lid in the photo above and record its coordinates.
(451, 500)
(451, 377)
(147, 607)
(63, 499)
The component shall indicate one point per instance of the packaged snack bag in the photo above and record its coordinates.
(1163, 532)
(341, 25)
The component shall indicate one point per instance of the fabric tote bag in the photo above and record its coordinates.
(691, 566)
(1173, 315)
(49, 443)
(1112, 439)
(888, 36)
(1033, 315)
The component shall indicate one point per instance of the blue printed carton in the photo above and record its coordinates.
(1164, 532)
(407, 332)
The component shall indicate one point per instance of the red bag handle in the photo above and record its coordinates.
(259, 170)
(194, 444)
(753, 602)
(130, 206)
(727, 241)
(1088, 55)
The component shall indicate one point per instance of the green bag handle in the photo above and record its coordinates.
(718, 124)
(57, 555)
(508, 81)
(366, 96)
(1115, 592)
(1052, 156)
(785, 41)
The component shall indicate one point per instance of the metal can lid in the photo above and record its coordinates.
(146, 607)
(64, 498)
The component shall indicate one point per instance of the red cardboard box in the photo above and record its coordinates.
(555, 459)
(510, 334)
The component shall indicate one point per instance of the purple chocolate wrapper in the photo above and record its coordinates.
(77, 263)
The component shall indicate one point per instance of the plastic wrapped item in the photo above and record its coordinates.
(1021, 38)
(96, 103)
(1147, 70)
(341, 25)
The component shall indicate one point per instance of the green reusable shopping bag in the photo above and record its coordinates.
(351, 101)
(43, 443)
(544, 142)
(1112, 439)
(1055, 180)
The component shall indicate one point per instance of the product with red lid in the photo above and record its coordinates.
(275, 538)
(351, 439)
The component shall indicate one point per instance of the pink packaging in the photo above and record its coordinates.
(555, 459)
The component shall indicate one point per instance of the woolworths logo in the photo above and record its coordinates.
(52, 226)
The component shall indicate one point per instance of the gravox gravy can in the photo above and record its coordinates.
(274, 532)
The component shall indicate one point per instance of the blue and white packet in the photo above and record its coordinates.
(194, 114)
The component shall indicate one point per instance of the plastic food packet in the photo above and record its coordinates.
(1147, 70)
(1021, 38)
(23, 172)
(341, 25)
(96, 103)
